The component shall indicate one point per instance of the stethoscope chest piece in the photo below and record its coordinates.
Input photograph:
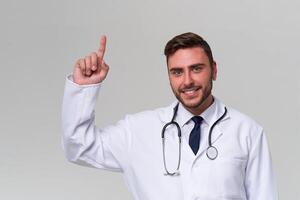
(212, 152)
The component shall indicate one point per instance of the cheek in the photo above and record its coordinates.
(204, 79)
(175, 83)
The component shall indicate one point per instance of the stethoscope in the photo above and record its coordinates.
(211, 151)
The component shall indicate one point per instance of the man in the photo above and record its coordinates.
(237, 166)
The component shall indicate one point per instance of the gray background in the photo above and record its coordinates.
(255, 43)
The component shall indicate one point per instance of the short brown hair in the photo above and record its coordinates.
(188, 40)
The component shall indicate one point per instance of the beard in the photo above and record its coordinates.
(201, 99)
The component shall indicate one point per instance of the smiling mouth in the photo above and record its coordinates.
(190, 91)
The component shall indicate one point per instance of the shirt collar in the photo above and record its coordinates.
(215, 111)
(184, 116)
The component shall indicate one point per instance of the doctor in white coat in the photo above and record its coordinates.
(242, 169)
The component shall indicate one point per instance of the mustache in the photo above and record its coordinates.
(190, 88)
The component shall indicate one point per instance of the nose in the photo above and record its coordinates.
(187, 79)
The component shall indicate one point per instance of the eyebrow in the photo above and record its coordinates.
(190, 66)
(196, 65)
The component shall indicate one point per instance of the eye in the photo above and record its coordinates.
(176, 72)
(197, 68)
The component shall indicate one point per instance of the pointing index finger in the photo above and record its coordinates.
(102, 47)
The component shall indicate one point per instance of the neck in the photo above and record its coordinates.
(202, 107)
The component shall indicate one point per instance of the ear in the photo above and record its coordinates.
(214, 71)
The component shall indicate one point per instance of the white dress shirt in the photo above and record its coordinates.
(186, 124)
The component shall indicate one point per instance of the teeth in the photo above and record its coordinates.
(190, 90)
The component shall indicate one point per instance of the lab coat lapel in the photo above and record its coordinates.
(166, 114)
(217, 131)
(216, 135)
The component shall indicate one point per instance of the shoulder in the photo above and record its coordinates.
(240, 116)
(244, 121)
(158, 114)
(235, 116)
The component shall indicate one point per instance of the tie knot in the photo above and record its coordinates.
(197, 119)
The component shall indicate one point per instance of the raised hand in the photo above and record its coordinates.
(92, 69)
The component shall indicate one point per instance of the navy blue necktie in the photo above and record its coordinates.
(195, 135)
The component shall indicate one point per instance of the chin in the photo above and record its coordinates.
(192, 106)
(193, 103)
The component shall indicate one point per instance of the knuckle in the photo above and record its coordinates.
(76, 64)
(87, 58)
(78, 61)
(93, 54)
(81, 63)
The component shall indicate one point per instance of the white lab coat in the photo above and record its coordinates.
(242, 171)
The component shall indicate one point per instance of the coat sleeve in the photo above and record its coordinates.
(260, 181)
(82, 141)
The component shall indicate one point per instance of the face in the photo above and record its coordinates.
(191, 76)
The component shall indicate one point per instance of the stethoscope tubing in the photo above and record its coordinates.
(172, 122)
(211, 148)
(213, 126)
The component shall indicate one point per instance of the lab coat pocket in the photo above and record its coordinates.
(230, 174)
(220, 179)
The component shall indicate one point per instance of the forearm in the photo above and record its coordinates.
(78, 118)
